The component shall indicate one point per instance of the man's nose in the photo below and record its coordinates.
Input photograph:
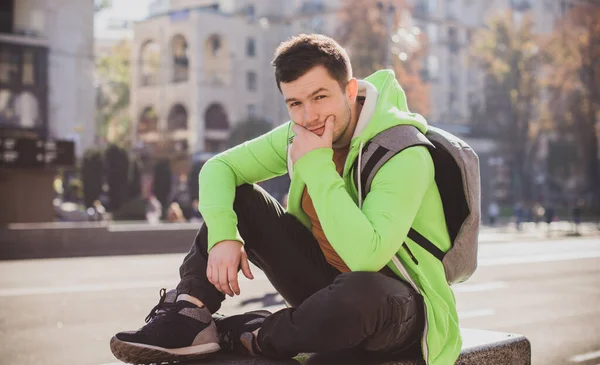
(310, 115)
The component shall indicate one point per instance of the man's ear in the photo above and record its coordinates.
(352, 91)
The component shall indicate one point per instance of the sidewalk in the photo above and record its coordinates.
(535, 232)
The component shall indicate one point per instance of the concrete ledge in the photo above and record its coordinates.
(52, 240)
(479, 348)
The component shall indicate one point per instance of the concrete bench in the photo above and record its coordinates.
(479, 348)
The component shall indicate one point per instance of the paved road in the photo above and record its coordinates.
(64, 311)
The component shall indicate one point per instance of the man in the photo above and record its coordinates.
(331, 257)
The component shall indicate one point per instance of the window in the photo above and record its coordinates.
(251, 81)
(215, 44)
(180, 59)
(9, 66)
(251, 47)
(177, 119)
(433, 66)
(216, 118)
(23, 93)
(453, 43)
(150, 62)
(28, 67)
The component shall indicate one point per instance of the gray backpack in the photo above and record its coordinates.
(458, 180)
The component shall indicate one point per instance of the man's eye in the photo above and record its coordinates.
(296, 103)
(320, 97)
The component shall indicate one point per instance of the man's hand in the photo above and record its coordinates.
(224, 259)
(306, 141)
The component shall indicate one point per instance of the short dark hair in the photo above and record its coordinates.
(299, 54)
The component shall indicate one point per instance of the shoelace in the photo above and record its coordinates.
(161, 308)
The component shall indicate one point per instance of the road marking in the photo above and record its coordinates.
(472, 288)
(17, 292)
(561, 256)
(585, 357)
(477, 313)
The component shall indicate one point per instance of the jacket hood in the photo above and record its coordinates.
(384, 107)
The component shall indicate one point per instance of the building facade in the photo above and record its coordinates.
(47, 69)
(206, 64)
(46, 99)
(199, 67)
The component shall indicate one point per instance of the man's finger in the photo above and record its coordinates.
(233, 280)
(329, 127)
(215, 278)
(246, 266)
(224, 282)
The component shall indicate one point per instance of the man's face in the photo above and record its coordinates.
(316, 95)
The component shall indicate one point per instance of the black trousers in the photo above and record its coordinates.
(330, 311)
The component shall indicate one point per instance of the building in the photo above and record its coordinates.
(450, 24)
(233, 42)
(46, 94)
(199, 67)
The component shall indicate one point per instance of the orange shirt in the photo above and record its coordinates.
(339, 157)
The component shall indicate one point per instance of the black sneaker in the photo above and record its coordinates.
(175, 332)
(235, 332)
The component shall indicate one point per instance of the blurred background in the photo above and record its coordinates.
(109, 109)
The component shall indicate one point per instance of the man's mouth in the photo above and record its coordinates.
(318, 131)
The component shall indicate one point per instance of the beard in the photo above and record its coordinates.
(345, 118)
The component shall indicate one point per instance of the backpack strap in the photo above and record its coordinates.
(426, 244)
(380, 150)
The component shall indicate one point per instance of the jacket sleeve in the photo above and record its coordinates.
(367, 240)
(248, 163)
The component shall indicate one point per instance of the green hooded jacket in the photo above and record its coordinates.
(366, 235)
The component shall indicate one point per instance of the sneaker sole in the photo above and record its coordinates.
(134, 353)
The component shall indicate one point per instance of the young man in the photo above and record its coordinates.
(352, 277)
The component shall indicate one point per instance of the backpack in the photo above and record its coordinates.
(458, 180)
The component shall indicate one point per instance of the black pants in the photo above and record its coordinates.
(330, 311)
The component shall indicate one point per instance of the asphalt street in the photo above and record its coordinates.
(64, 311)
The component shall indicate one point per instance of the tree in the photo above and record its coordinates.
(510, 56)
(248, 129)
(100, 5)
(92, 174)
(378, 35)
(114, 74)
(117, 172)
(575, 84)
